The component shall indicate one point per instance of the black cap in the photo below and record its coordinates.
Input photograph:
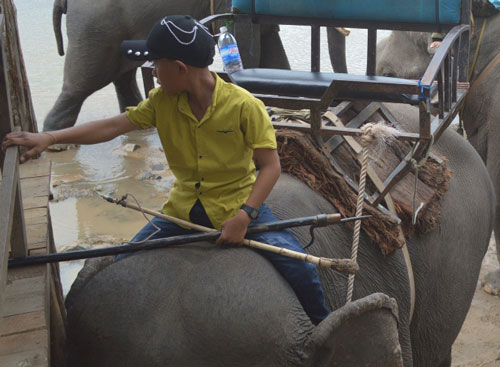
(176, 37)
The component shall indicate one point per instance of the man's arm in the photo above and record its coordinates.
(89, 133)
(235, 228)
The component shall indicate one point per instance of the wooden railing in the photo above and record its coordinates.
(16, 114)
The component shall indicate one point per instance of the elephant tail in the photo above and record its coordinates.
(60, 8)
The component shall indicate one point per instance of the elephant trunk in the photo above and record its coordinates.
(60, 7)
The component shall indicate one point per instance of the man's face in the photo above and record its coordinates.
(168, 74)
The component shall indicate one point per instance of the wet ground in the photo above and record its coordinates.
(478, 343)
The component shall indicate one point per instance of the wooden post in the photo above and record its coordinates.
(16, 113)
(21, 112)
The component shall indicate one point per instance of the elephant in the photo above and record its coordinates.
(202, 305)
(95, 31)
(93, 59)
(481, 108)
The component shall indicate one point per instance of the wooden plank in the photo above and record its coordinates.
(37, 233)
(36, 216)
(35, 168)
(326, 130)
(25, 295)
(32, 358)
(21, 323)
(27, 272)
(38, 251)
(36, 187)
(8, 190)
(36, 202)
(334, 142)
(37, 246)
(18, 343)
(349, 139)
(341, 107)
(18, 237)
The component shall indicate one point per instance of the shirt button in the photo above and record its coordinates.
(200, 193)
(201, 156)
(202, 179)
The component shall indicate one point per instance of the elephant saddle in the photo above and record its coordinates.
(330, 167)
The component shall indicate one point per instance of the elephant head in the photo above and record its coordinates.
(204, 306)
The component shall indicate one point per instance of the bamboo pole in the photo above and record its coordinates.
(343, 265)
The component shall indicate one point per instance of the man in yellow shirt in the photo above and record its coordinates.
(211, 132)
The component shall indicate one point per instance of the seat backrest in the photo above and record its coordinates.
(412, 11)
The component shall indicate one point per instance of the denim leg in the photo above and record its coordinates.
(301, 275)
(168, 229)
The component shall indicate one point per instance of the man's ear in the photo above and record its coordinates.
(182, 67)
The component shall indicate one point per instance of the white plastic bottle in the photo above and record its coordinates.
(229, 51)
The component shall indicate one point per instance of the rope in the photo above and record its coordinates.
(357, 225)
(193, 32)
(158, 229)
(416, 166)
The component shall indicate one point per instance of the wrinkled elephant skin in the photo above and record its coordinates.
(404, 54)
(199, 305)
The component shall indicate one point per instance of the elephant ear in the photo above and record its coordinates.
(361, 333)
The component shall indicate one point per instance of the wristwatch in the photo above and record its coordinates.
(252, 212)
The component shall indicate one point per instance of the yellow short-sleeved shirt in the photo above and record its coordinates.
(212, 158)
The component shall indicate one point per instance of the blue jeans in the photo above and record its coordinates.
(301, 275)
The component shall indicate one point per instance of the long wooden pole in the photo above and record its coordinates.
(343, 265)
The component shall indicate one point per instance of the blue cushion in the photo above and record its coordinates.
(417, 11)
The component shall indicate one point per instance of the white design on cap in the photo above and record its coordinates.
(146, 53)
(129, 51)
(193, 31)
(137, 53)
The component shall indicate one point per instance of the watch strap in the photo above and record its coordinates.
(253, 213)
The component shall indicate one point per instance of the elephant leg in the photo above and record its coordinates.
(447, 361)
(65, 111)
(272, 54)
(127, 90)
(84, 73)
(247, 35)
(336, 49)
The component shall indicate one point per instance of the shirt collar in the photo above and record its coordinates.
(183, 105)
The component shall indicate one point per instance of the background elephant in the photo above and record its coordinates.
(216, 306)
(404, 54)
(95, 30)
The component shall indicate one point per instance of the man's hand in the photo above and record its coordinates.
(234, 229)
(38, 142)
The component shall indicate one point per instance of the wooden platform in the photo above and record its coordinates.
(32, 330)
